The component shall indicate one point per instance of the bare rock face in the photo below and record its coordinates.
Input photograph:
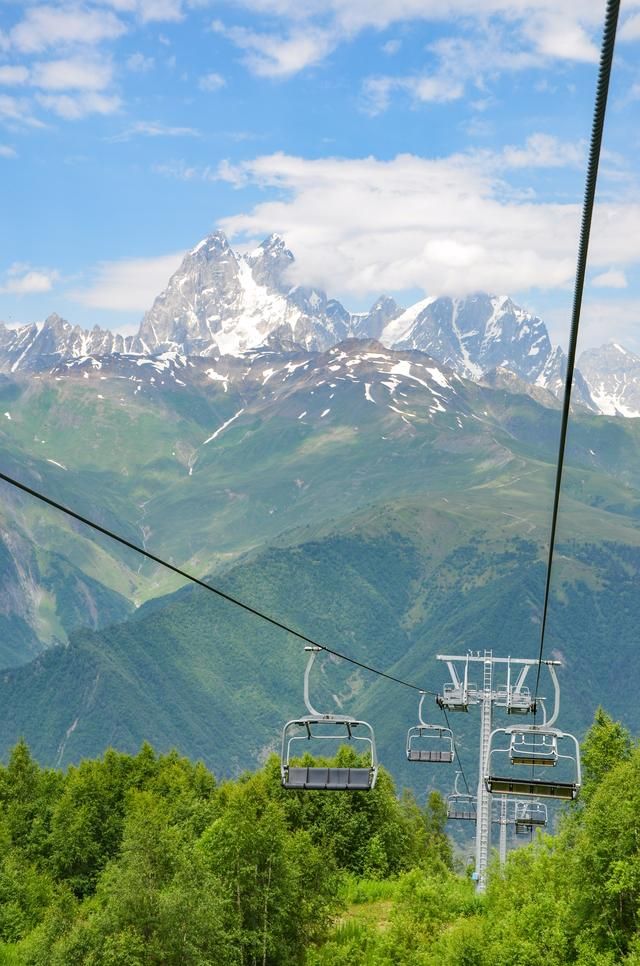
(37, 347)
(222, 302)
(613, 376)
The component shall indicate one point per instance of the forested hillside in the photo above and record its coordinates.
(147, 859)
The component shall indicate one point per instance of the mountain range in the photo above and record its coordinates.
(380, 480)
(222, 303)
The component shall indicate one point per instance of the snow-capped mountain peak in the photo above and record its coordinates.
(224, 302)
(613, 376)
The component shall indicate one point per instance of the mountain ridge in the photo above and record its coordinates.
(220, 302)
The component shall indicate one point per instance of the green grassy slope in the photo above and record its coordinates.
(393, 585)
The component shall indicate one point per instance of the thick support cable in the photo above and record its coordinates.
(599, 112)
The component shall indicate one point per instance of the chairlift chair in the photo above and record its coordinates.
(459, 694)
(429, 742)
(516, 697)
(461, 806)
(519, 701)
(534, 746)
(530, 815)
(326, 728)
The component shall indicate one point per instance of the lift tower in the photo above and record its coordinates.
(512, 694)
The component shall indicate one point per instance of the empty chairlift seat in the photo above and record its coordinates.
(529, 815)
(512, 747)
(328, 779)
(430, 743)
(319, 733)
(534, 748)
(461, 806)
(326, 731)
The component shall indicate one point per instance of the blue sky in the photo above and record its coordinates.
(408, 146)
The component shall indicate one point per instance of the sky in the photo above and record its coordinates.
(411, 147)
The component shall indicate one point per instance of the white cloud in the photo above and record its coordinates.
(150, 10)
(538, 29)
(160, 10)
(182, 171)
(76, 107)
(140, 64)
(437, 89)
(23, 280)
(360, 226)
(557, 36)
(274, 55)
(457, 61)
(51, 26)
(601, 321)
(630, 29)
(614, 278)
(545, 151)
(74, 73)
(16, 112)
(6, 151)
(211, 82)
(391, 47)
(155, 129)
(13, 75)
(129, 285)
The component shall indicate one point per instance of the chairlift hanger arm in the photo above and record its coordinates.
(556, 698)
(312, 656)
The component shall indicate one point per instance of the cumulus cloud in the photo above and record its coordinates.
(276, 55)
(539, 29)
(140, 64)
(360, 226)
(75, 107)
(76, 73)
(21, 279)
(16, 112)
(128, 285)
(150, 10)
(13, 75)
(545, 151)
(46, 26)
(211, 82)
(614, 278)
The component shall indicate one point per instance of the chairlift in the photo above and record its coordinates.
(534, 746)
(530, 815)
(459, 694)
(516, 698)
(429, 742)
(325, 728)
(461, 806)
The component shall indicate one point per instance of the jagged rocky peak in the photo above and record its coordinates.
(220, 301)
(553, 377)
(474, 334)
(613, 376)
(371, 324)
(269, 263)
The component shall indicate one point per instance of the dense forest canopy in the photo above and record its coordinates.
(146, 859)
